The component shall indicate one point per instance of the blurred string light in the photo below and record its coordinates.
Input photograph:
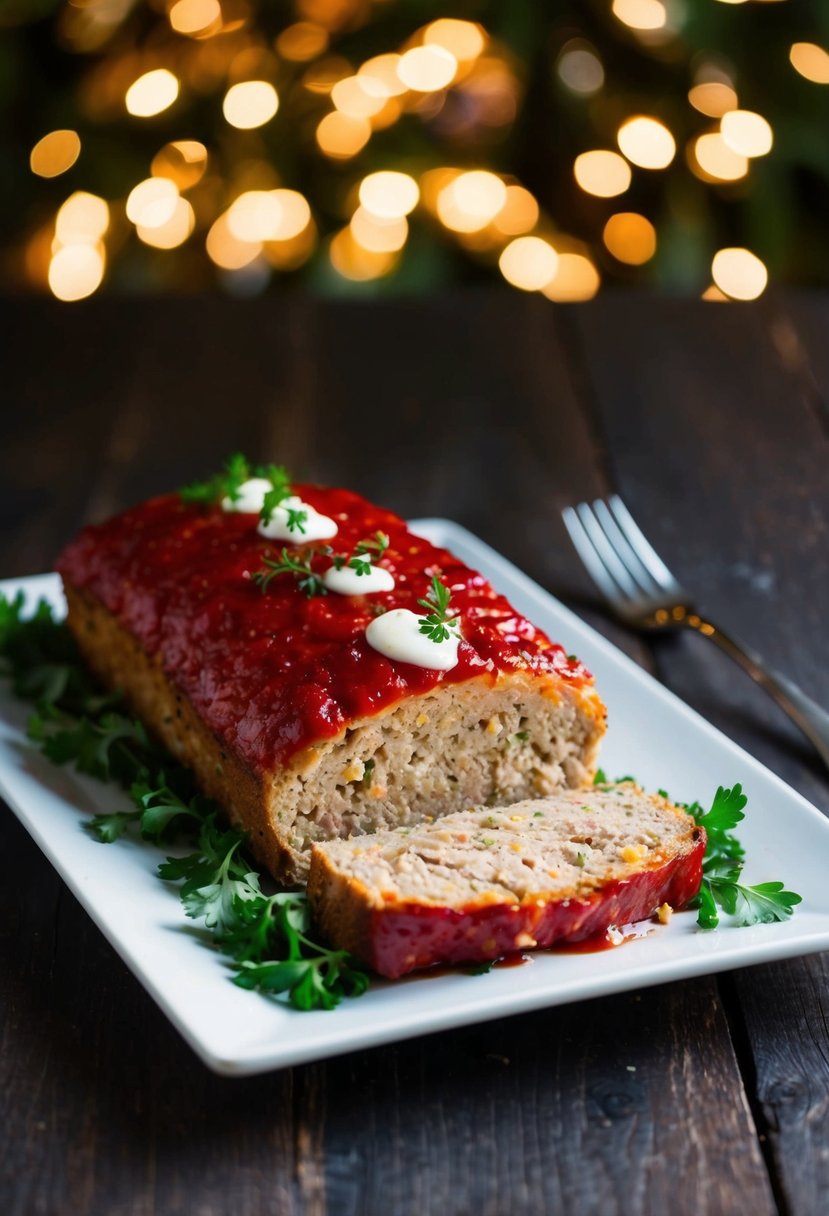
(646, 142)
(55, 153)
(603, 173)
(152, 93)
(739, 274)
(746, 133)
(630, 237)
(449, 79)
(811, 61)
(250, 104)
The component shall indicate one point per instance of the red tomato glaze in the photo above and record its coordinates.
(407, 936)
(271, 672)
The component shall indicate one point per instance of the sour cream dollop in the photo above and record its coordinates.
(348, 581)
(251, 496)
(396, 634)
(313, 527)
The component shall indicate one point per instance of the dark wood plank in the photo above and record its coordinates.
(583, 1109)
(731, 485)
(471, 408)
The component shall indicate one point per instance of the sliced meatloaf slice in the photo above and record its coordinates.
(485, 882)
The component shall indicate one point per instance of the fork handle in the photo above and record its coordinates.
(806, 713)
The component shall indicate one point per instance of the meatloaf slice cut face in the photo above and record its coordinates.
(489, 881)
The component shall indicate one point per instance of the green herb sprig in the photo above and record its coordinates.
(267, 938)
(300, 566)
(437, 624)
(722, 864)
(228, 483)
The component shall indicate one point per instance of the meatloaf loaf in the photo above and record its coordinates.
(485, 882)
(271, 692)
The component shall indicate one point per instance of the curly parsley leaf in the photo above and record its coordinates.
(227, 484)
(268, 939)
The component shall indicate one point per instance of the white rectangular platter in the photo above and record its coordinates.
(651, 734)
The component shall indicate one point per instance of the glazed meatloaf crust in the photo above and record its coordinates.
(486, 882)
(288, 717)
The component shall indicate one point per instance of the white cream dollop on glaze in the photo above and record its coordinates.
(251, 497)
(348, 581)
(396, 634)
(314, 527)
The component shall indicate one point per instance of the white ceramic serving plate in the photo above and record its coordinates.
(652, 734)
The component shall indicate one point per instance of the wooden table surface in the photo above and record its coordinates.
(497, 410)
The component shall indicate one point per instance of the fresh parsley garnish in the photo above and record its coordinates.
(722, 867)
(280, 489)
(267, 938)
(290, 563)
(227, 484)
(437, 623)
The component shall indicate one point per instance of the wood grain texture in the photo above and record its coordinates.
(496, 410)
(738, 506)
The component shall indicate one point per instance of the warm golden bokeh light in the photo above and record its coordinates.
(646, 142)
(630, 237)
(174, 231)
(356, 263)
(529, 263)
(463, 39)
(341, 137)
(250, 104)
(302, 41)
(713, 293)
(255, 216)
(602, 173)
(575, 279)
(425, 69)
(746, 133)
(580, 68)
(519, 213)
(712, 160)
(378, 235)
(226, 250)
(382, 69)
(359, 96)
(75, 271)
(184, 161)
(151, 93)
(811, 61)
(713, 98)
(152, 202)
(55, 153)
(82, 219)
(296, 214)
(641, 14)
(389, 195)
(195, 16)
(739, 274)
(470, 201)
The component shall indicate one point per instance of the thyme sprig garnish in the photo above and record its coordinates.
(267, 938)
(297, 564)
(437, 623)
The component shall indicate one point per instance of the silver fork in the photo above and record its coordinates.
(642, 591)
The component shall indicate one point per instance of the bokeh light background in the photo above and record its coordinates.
(365, 146)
